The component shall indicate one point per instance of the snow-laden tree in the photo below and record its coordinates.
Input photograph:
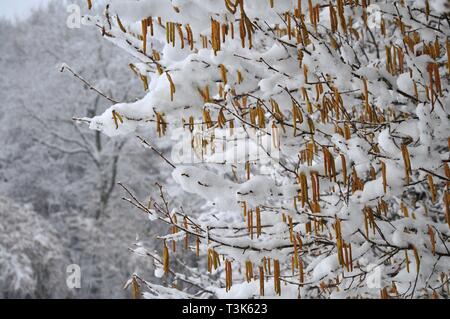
(316, 132)
(39, 97)
(68, 173)
(31, 255)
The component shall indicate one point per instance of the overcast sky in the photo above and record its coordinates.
(12, 9)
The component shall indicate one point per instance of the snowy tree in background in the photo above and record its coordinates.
(42, 88)
(59, 167)
(31, 254)
(316, 132)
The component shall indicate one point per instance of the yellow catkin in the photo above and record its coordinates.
(384, 293)
(287, 18)
(261, 280)
(172, 86)
(344, 169)
(447, 47)
(135, 290)
(432, 188)
(340, 6)
(407, 163)
(190, 36)
(120, 24)
(407, 261)
(417, 258)
(174, 231)
(261, 116)
(249, 271)
(223, 73)
(231, 6)
(250, 223)
(150, 23)
(161, 125)
(205, 94)
(291, 229)
(240, 78)
(298, 9)
(333, 18)
(404, 210)
(172, 33)
(301, 271)
(384, 176)
(446, 167)
(315, 184)
(213, 260)
(329, 164)
(346, 257)
(432, 240)
(168, 32)
(186, 237)
(303, 188)
(144, 35)
(165, 259)
(347, 133)
(117, 118)
(207, 118)
(383, 27)
(311, 12)
(366, 100)
(437, 79)
(180, 34)
(242, 33)
(258, 222)
(447, 207)
(297, 116)
(432, 84)
(215, 36)
(350, 256)
(228, 275)
(224, 32)
(247, 169)
(276, 276)
(308, 228)
(371, 219)
(197, 246)
(248, 26)
(295, 255)
(339, 242)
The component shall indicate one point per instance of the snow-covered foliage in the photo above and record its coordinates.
(348, 100)
(31, 255)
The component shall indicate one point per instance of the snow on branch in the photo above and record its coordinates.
(316, 132)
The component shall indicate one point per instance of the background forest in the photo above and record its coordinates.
(59, 204)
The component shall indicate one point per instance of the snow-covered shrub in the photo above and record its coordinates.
(352, 98)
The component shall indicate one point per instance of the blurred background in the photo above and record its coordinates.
(59, 203)
(19, 10)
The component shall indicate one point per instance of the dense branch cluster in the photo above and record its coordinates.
(341, 188)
